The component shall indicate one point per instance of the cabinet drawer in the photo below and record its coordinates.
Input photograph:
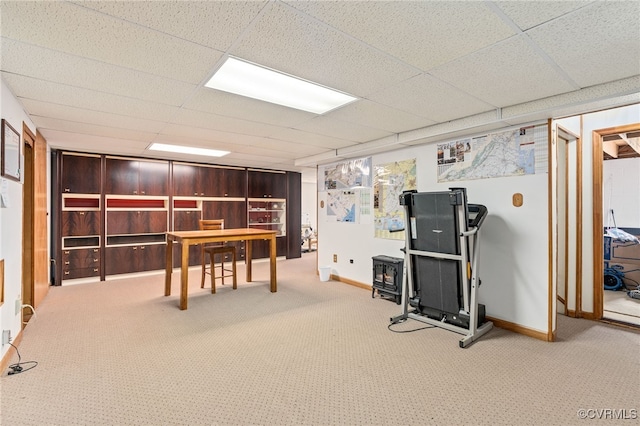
(68, 274)
(78, 223)
(81, 258)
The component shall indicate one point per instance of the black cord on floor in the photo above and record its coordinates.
(406, 331)
(18, 367)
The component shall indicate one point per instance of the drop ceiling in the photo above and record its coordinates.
(114, 76)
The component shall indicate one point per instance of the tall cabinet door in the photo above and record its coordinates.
(153, 178)
(80, 173)
(121, 176)
(186, 180)
(265, 184)
(133, 177)
(234, 214)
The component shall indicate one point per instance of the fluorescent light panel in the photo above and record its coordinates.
(187, 150)
(247, 79)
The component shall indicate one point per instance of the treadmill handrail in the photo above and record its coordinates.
(469, 232)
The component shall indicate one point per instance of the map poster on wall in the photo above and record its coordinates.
(346, 175)
(510, 153)
(390, 181)
(352, 206)
(341, 206)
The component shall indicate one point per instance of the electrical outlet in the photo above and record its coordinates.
(18, 306)
(6, 336)
(335, 258)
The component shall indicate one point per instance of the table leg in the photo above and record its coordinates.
(184, 276)
(272, 263)
(247, 258)
(168, 267)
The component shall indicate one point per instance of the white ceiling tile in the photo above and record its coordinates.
(306, 138)
(30, 88)
(329, 126)
(421, 33)
(80, 31)
(210, 23)
(57, 67)
(91, 129)
(109, 73)
(60, 139)
(233, 141)
(372, 114)
(291, 42)
(250, 160)
(596, 44)
(428, 97)
(66, 113)
(189, 117)
(230, 105)
(528, 14)
(502, 74)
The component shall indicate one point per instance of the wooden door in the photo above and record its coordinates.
(35, 259)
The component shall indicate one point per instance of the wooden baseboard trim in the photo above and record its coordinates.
(4, 363)
(520, 329)
(588, 315)
(351, 282)
(571, 313)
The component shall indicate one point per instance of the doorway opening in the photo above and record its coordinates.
(616, 175)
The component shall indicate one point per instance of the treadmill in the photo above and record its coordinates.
(441, 257)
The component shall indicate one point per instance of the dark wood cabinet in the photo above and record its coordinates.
(186, 220)
(80, 263)
(235, 183)
(260, 248)
(264, 184)
(135, 258)
(112, 213)
(208, 181)
(136, 177)
(136, 222)
(186, 180)
(81, 173)
(234, 214)
(78, 223)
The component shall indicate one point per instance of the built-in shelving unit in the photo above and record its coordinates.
(111, 214)
(135, 229)
(80, 234)
(270, 215)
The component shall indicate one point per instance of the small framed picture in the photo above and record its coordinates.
(10, 152)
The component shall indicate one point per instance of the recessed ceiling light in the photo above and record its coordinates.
(187, 150)
(254, 81)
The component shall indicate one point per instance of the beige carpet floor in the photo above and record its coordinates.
(314, 353)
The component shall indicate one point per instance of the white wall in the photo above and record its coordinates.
(621, 192)
(514, 248)
(11, 226)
